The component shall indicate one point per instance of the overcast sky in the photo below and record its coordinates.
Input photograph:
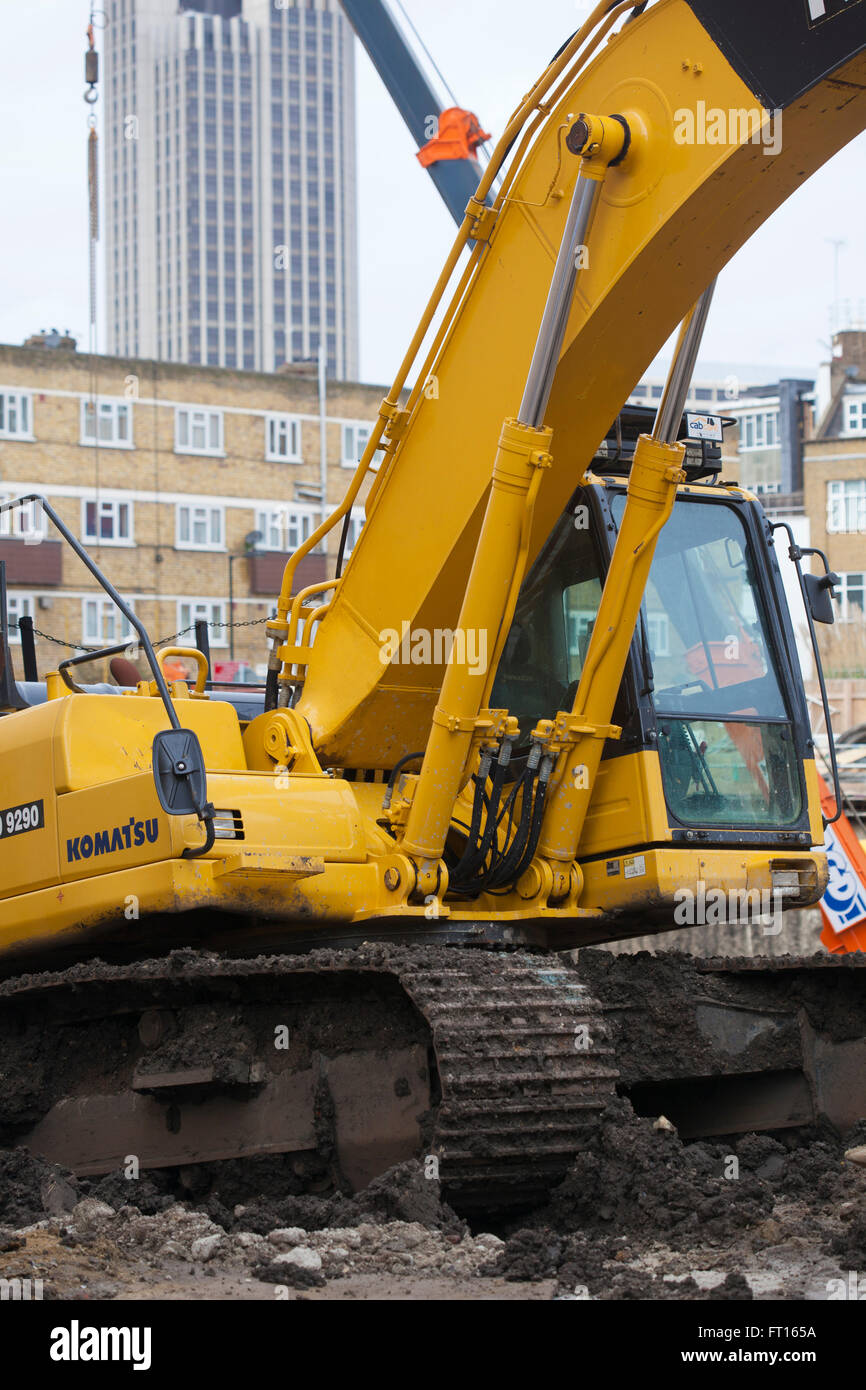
(773, 301)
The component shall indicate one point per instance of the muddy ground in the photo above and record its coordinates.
(640, 1216)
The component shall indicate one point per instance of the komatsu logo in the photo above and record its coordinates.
(117, 837)
(819, 10)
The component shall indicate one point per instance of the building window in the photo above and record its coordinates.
(18, 606)
(103, 624)
(282, 439)
(198, 431)
(759, 429)
(205, 610)
(107, 522)
(355, 437)
(846, 505)
(27, 521)
(850, 597)
(199, 528)
(15, 415)
(353, 531)
(107, 422)
(658, 633)
(283, 528)
(855, 416)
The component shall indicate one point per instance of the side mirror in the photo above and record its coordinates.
(179, 772)
(819, 594)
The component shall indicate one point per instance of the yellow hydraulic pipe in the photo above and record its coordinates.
(522, 453)
(602, 16)
(655, 473)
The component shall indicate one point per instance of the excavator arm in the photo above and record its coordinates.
(726, 109)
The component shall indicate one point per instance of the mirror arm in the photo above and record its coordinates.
(796, 553)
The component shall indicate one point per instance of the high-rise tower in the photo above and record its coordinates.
(230, 182)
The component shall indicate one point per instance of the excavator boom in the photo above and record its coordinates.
(725, 123)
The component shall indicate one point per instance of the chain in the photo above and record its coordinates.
(161, 642)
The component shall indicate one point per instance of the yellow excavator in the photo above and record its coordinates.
(555, 692)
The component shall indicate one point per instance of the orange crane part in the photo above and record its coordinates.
(458, 137)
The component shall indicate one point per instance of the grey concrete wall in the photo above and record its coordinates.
(799, 935)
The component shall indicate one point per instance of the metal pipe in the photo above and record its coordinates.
(551, 335)
(323, 431)
(202, 641)
(679, 379)
(28, 647)
(232, 559)
(134, 622)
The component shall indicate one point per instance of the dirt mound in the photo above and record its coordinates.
(31, 1189)
(404, 1193)
(851, 1245)
(634, 1178)
(632, 1183)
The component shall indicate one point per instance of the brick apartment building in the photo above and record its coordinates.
(189, 485)
(802, 446)
(834, 490)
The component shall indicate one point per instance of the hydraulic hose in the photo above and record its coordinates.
(473, 857)
(503, 872)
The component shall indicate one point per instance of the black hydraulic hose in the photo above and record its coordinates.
(272, 689)
(477, 857)
(502, 873)
(395, 773)
(480, 780)
(344, 536)
(474, 859)
(537, 817)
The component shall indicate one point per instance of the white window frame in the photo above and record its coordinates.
(209, 516)
(351, 449)
(108, 507)
(26, 605)
(11, 396)
(846, 506)
(109, 410)
(283, 439)
(105, 609)
(758, 430)
(356, 524)
(283, 528)
(658, 632)
(845, 612)
(188, 418)
(212, 610)
(27, 523)
(855, 415)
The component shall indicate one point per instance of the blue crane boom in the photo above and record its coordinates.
(455, 178)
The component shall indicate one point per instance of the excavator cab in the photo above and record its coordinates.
(715, 727)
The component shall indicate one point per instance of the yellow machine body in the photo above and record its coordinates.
(307, 840)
